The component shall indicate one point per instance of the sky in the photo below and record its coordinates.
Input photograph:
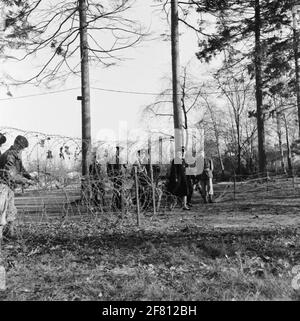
(143, 71)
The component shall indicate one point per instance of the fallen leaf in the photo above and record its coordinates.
(124, 271)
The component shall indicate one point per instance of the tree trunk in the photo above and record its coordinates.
(259, 96)
(279, 133)
(296, 54)
(186, 145)
(175, 76)
(85, 89)
(289, 156)
(160, 146)
(239, 148)
(217, 136)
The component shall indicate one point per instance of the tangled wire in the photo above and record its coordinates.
(124, 192)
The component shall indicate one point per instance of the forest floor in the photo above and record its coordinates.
(243, 249)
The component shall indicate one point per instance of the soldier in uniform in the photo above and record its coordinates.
(2, 140)
(12, 173)
(205, 180)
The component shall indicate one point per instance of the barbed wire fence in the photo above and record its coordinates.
(116, 195)
(120, 193)
(259, 187)
(55, 161)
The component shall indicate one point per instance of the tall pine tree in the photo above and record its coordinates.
(259, 36)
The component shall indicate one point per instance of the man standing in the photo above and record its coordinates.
(12, 173)
(206, 182)
(190, 175)
(96, 180)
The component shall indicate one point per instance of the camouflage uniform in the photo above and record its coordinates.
(12, 173)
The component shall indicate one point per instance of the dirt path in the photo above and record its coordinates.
(256, 206)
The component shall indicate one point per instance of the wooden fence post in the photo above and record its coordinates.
(151, 175)
(2, 268)
(293, 178)
(1, 236)
(137, 196)
(160, 149)
(123, 209)
(234, 186)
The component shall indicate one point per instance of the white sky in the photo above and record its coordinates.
(60, 113)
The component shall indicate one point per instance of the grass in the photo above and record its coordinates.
(235, 250)
(176, 261)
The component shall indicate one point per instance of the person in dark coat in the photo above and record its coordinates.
(190, 175)
(96, 181)
(178, 184)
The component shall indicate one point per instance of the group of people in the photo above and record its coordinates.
(185, 176)
(115, 171)
(12, 173)
(182, 179)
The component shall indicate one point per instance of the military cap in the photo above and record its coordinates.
(21, 141)
(2, 139)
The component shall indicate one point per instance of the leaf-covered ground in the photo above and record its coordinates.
(243, 250)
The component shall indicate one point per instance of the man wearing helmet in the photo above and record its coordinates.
(12, 173)
(2, 140)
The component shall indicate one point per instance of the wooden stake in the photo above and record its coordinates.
(2, 268)
(151, 175)
(234, 186)
(293, 177)
(137, 196)
(160, 149)
(1, 236)
(123, 207)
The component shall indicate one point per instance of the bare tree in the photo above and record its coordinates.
(278, 116)
(238, 91)
(50, 30)
(289, 155)
(58, 31)
(161, 109)
(216, 128)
